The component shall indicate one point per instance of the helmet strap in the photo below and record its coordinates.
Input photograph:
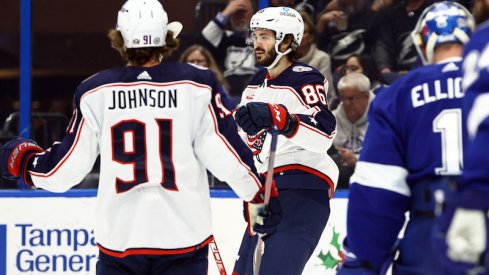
(279, 55)
(430, 48)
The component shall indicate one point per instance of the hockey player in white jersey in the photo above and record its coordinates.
(463, 228)
(412, 149)
(291, 96)
(157, 127)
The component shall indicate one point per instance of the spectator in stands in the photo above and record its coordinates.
(345, 30)
(307, 6)
(199, 55)
(351, 122)
(314, 57)
(480, 10)
(393, 50)
(378, 5)
(364, 64)
(281, 3)
(375, 5)
(235, 58)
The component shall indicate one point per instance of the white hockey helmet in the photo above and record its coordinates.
(283, 21)
(142, 23)
(440, 23)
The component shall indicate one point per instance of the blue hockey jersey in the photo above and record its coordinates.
(414, 136)
(476, 108)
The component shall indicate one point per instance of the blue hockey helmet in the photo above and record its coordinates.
(440, 23)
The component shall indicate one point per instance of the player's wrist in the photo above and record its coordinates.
(27, 163)
(473, 199)
(291, 126)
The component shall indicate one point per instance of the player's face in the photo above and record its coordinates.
(481, 10)
(355, 103)
(196, 57)
(264, 45)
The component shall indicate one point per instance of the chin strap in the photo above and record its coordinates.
(279, 55)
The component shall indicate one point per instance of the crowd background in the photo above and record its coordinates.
(69, 43)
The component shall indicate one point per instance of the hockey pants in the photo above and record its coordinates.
(286, 252)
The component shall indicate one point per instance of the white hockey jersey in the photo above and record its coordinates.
(302, 90)
(157, 130)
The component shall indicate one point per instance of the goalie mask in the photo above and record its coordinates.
(144, 23)
(440, 23)
(282, 21)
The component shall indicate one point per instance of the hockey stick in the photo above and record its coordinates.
(217, 257)
(257, 255)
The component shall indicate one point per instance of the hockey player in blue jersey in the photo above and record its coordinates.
(413, 147)
(292, 96)
(157, 127)
(463, 229)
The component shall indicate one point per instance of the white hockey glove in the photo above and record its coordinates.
(259, 221)
(254, 210)
(466, 236)
(460, 232)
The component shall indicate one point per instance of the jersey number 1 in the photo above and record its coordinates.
(129, 147)
(449, 124)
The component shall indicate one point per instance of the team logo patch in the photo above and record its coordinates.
(255, 142)
(301, 69)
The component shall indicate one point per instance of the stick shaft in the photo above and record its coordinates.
(217, 257)
(271, 163)
(268, 190)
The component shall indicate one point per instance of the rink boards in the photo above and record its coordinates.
(42, 232)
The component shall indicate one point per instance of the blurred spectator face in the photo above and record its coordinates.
(481, 11)
(240, 20)
(353, 65)
(355, 103)
(307, 38)
(196, 57)
(281, 3)
(352, 6)
(264, 45)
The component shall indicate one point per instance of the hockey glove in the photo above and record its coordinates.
(15, 157)
(354, 266)
(461, 231)
(255, 116)
(266, 223)
(254, 212)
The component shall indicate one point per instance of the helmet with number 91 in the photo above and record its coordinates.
(282, 21)
(440, 23)
(142, 23)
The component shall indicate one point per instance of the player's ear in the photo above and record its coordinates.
(286, 43)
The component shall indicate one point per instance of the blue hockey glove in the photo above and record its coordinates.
(353, 266)
(255, 116)
(461, 232)
(15, 157)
